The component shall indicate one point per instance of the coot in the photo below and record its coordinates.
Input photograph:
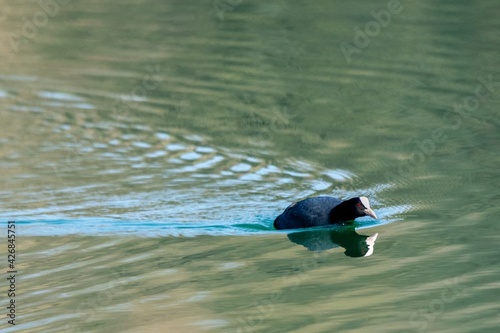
(323, 210)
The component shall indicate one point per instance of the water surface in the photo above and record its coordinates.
(146, 148)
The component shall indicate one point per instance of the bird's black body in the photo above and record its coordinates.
(320, 211)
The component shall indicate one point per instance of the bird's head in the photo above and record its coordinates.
(363, 207)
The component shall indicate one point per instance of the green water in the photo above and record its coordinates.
(146, 148)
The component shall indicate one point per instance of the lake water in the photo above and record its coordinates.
(146, 149)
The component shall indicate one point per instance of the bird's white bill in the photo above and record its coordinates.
(370, 212)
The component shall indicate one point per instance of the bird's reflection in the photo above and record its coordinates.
(355, 245)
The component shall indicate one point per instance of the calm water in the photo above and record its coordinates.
(146, 149)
